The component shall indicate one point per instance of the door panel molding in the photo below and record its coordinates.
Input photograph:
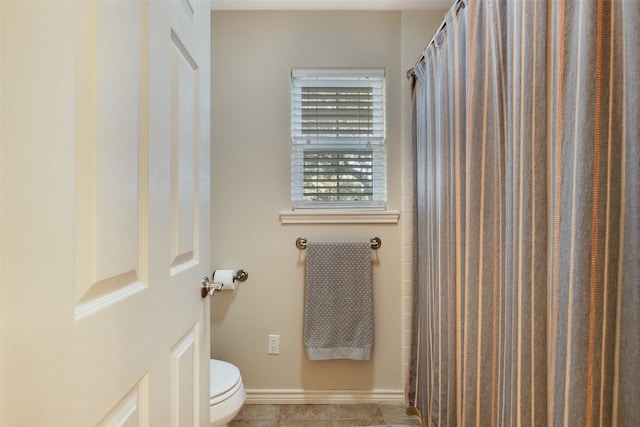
(132, 410)
(185, 191)
(112, 149)
(185, 368)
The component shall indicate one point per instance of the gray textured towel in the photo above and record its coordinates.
(338, 314)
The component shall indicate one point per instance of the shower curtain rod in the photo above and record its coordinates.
(459, 4)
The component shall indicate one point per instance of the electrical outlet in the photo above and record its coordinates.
(274, 344)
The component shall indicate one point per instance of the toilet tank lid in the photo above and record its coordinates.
(223, 376)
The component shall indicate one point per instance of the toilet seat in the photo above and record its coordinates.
(227, 393)
(224, 382)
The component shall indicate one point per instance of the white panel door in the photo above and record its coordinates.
(104, 213)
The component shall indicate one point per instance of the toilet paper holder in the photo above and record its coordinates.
(241, 275)
(210, 288)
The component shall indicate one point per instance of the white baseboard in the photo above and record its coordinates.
(266, 396)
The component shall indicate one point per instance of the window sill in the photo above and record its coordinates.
(352, 216)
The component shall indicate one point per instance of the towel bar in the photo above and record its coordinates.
(301, 242)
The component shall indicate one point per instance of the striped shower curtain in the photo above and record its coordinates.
(526, 170)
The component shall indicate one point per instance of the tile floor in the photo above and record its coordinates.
(342, 415)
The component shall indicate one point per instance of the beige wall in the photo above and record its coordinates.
(252, 54)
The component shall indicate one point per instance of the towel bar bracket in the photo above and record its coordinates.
(376, 242)
(301, 243)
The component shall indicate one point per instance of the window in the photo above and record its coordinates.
(338, 131)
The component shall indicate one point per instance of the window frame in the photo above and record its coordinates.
(374, 142)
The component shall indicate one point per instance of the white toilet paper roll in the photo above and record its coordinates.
(226, 278)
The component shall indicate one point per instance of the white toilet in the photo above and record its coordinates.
(227, 392)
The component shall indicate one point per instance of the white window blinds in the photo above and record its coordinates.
(338, 132)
